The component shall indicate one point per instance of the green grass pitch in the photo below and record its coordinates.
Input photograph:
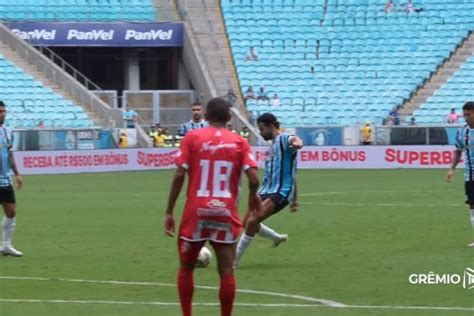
(357, 237)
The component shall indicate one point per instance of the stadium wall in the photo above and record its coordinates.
(311, 157)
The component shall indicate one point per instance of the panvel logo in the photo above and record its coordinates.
(36, 34)
(431, 278)
(94, 35)
(148, 36)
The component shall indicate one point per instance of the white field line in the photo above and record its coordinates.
(297, 297)
(151, 303)
(374, 191)
(444, 308)
(383, 204)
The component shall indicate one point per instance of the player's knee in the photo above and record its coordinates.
(10, 211)
(226, 269)
(187, 266)
(253, 222)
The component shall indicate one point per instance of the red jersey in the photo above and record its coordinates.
(215, 159)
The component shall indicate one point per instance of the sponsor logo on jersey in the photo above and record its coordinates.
(213, 148)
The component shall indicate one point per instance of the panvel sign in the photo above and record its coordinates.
(99, 34)
(311, 157)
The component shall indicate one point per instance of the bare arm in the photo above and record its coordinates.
(457, 158)
(294, 201)
(254, 182)
(18, 177)
(175, 190)
(295, 141)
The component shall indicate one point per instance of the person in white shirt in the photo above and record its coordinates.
(276, 100)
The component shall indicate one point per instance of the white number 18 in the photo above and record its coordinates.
(220, 179)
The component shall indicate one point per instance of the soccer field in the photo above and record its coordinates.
(94, 245)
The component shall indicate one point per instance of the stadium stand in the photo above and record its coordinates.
(77, 10)
(30, 103)
(453, 94)
(341, 62)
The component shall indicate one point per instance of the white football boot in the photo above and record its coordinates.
(278, 241)
(10, 251)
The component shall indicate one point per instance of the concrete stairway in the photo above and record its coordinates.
(460, 55)
(38, 75)
(206, 20)
(167, 11)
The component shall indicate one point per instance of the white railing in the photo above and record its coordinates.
(68, 78)
(69, 83)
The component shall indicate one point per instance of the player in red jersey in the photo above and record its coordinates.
(214, 159)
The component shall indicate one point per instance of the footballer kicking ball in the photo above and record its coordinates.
(204, 258)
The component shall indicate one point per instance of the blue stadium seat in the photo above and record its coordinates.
(78, 10)
(29, 102)
(372, 60)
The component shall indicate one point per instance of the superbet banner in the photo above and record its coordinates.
(314, 157)
(370, 157)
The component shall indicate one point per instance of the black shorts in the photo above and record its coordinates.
(7, 195)
(469, 190)
(280, 201)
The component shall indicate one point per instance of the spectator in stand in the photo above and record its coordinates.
(275, 100)
(412, 121)
(453, 117)
(251, 55)
(410, 7)
(395, 116)
(130, 117)
(249, 94)
(389, 7)
(231, 97)
(261, 94)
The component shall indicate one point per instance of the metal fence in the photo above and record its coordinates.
(415, 135)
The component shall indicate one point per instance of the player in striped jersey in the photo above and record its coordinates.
(279, 184)
(7, 195)
(465, 142)
(196, 122)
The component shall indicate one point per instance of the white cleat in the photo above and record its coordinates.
(10, 251)
(278, 241)
(471, 245)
